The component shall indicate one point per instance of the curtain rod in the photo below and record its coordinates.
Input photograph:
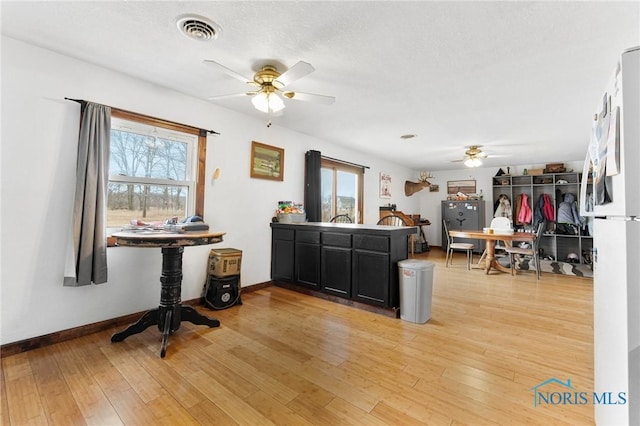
(346, 162)
(213, 132)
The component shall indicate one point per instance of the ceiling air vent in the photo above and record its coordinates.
(198, 27)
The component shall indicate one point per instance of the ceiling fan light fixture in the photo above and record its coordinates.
(473, 162)
(267, 102)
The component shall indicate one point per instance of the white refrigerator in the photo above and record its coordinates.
(610, 198)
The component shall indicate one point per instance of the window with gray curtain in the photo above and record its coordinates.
(86, 254)
(332, 187)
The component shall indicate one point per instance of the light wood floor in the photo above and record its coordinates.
(286, 358)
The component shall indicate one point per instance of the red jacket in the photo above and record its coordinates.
(547, 209)
(523, 210)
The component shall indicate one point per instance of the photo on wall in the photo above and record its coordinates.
(464, 186)
(267, 162)
(385, 185)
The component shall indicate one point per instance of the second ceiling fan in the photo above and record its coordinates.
(473, 156)
(270, 84)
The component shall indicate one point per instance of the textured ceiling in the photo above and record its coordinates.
(520, 78)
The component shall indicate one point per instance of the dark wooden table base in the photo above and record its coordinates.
(171, 312)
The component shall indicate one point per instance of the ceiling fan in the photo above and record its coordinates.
(270, 85)
(473, 156)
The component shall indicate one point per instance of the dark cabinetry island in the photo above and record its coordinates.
(351, 261)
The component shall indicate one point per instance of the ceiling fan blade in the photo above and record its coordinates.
(235, 95)
(228, 71)
(309, 97)
(297, 71)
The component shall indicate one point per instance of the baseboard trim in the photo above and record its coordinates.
(15, 348)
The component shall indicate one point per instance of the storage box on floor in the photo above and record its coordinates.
(224, 262)
(222, 288)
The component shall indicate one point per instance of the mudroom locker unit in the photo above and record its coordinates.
(557, 244)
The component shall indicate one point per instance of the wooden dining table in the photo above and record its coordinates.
(171, 312)
(490, 261)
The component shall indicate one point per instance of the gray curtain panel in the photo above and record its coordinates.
(312, 186)
(89, 214)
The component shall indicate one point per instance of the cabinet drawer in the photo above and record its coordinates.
(369, 242)
(336, 240)
(312, 237)
(283, 234)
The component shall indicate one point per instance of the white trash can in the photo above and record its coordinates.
(416, 288)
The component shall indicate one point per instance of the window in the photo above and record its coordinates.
(341, 189)
(156, 170)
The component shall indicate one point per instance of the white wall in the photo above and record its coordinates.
(39, 135)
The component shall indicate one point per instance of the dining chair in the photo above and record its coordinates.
(498, 224)
(532, 252)
(341, 218)
(452, 245)
(394, 220)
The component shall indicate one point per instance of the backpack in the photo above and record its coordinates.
(222, 293)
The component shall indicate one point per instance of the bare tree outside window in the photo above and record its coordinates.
(150, 174)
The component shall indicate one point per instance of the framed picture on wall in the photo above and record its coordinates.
(385, 185)
(267, 162)
(464, 186)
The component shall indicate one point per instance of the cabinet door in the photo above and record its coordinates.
(308, 264)
(336, 270)
(282, 256)
(370, 277)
